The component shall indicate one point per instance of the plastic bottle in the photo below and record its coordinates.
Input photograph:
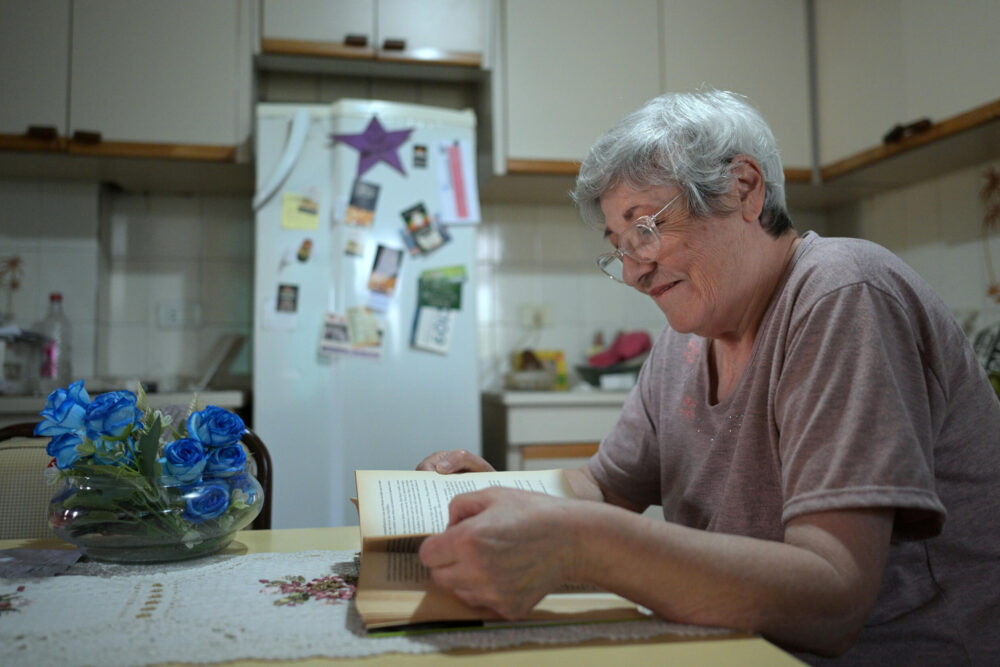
(57, 351)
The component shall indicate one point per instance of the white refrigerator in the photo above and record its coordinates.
(365, 341)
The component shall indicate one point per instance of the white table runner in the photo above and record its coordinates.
(218, 608)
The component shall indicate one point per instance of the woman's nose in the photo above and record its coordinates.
(633, 270)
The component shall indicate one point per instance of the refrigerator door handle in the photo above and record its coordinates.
(296, 140)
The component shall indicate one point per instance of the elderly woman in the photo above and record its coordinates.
(813, 421)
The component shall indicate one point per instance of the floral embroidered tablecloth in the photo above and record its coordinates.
(268, 606)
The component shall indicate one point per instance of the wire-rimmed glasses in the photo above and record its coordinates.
(640, 242)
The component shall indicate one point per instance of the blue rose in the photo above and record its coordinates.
(113, 452)
(64, 411)
(63, 448)
(206, 501)
(243, 482)
(112, 415)
(225, 461)
(182, 462)
(215, 427)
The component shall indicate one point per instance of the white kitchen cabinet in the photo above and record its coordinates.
(453, 26)
(534, 430)
(574, 67)
(151, 71)
(892, 62)
(759, 49)
(34, 64)
(318, 20)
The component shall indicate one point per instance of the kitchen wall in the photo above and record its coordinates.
(52, 227)
(122, 258)
(543, 255)
(936, 227)
(126, 264)
(176, 276)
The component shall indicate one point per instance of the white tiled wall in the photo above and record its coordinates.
(118, 256)
(936, 227)
(52, 227)
(161, 250)
(544, 255)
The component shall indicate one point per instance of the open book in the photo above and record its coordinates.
(400, 508)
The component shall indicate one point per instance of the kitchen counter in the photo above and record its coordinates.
(16, 409)
(525, 430)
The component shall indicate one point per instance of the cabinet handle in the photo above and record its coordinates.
(86, 137)
(394, 44)
(43, 132)
(356, 40)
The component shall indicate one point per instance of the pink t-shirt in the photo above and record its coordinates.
(861, 391)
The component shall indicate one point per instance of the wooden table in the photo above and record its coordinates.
(741, 650)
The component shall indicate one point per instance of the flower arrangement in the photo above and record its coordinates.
(137, 487)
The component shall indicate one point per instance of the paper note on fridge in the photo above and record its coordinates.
(299, 212)
(457, 183)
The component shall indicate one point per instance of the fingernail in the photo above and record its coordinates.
(444, 466)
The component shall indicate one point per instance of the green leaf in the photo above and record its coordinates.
(98, 516)
(91, 500)
(149, 445)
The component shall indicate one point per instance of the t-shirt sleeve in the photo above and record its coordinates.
(627, 462)
(853, 406)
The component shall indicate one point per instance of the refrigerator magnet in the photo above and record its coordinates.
(456, 175)
(432, 329)
(336, 336)
(385, 270)
(420, 233)
(419, 156)
(299, 212)
(361, 206)
(288, 298)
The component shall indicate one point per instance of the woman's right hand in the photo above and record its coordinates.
(456, 460)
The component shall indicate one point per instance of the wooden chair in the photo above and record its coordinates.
(260, 464)
(24, 495)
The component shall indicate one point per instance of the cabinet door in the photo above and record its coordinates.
(34, 64)
(758, 49)
(318, 20)
(860, 90)
(573, 68)
(448, 25)
(152, 71)
(951, 54)
(896, 61)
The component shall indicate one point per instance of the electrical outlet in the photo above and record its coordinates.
(536, 316)
(178, 314)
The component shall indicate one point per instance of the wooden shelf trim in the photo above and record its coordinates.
(21, 142)
(976, 118)
(131, 149)
(569, 450)
(523, 167)
(969, 120)
(426, 56)
(134, 149)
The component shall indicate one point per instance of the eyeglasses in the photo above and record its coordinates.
(640, 242)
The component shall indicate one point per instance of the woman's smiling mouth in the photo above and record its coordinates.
(658, 291)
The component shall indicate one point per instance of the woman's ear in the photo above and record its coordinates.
(749, 181)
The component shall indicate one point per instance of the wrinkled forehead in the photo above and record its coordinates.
(623, 203)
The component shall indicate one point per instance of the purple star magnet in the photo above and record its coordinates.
(376, 144)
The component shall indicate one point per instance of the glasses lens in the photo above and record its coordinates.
(612, 266)
(641, 242)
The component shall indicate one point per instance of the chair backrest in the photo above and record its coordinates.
(262, 460)
(24, 495)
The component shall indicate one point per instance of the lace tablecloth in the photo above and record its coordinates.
(222, 608)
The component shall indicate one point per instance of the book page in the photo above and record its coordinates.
(405, 502)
